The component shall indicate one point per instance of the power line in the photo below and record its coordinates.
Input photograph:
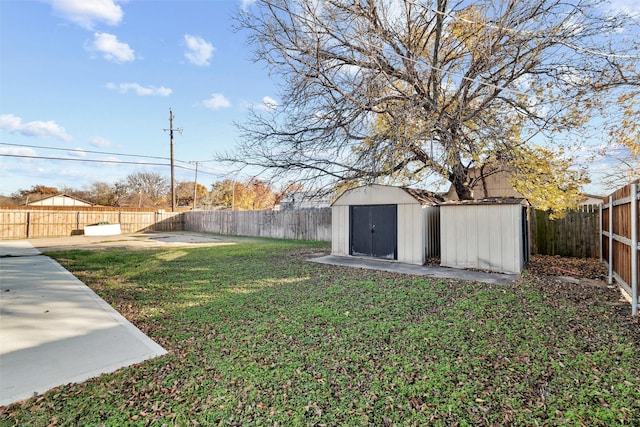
(86, 151)
(77, 150)
(211, 172)
(124, 162)
(24, 156)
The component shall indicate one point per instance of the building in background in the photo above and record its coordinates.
(58, 200)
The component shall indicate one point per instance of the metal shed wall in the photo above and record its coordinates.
(483, 236)
(411, 233)
(431, 231)
(412, 225)
(340, 230)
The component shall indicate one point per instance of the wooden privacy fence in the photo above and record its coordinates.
(19, 223)
(620, 235)
(577, 234)
(303, 224)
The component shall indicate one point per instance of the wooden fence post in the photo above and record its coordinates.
(634, 249)
(600, 234)
(610, 278)
(28, 225)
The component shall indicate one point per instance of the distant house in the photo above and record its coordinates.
(488, 182)
(590, 199)
(492, 182)
(59, 200)
(302, 200)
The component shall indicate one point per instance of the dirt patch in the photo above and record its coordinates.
(583, 281)
(587, 268)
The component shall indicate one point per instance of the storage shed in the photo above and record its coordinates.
(386, 222)
(487, 234)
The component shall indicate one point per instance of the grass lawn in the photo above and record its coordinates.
(259, 336)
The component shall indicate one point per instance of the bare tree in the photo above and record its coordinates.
(38, 190)
(623, 168)
(185, 193)
(376, 89)
(151, 188)
(103, 193)
(623, 148)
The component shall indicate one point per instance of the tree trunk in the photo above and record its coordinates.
(458, 178)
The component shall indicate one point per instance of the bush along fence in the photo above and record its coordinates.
(577, 234)
(620, 235)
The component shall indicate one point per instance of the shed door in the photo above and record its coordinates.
(374, 231)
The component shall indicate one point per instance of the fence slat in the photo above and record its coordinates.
(302, 224)
(634, 248)
(20, 223)
(619, 224)
(575, 235)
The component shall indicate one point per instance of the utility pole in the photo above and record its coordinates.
(173, 181)
(233, 196)
(195, 188)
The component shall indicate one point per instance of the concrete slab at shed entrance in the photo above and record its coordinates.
(430, 271)
(54, 330)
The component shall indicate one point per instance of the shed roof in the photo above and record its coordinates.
(376, 194)
(488, 201)
(43, 198)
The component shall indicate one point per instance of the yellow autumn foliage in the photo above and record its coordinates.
(546, 178)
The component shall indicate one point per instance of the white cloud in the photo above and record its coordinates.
(216, 101)
(87, 13)
(199, 51)
(77, 152)
(246, 4)
(631, 7)
(111, 48)
(139, 89)
(268, 104)
(40, 129)
(18, 151)
(98, 141)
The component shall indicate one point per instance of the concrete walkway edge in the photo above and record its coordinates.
(55, 330)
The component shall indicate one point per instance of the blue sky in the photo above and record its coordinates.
(101, 75)
(95, 79)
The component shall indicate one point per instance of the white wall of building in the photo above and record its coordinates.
(482, 236)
